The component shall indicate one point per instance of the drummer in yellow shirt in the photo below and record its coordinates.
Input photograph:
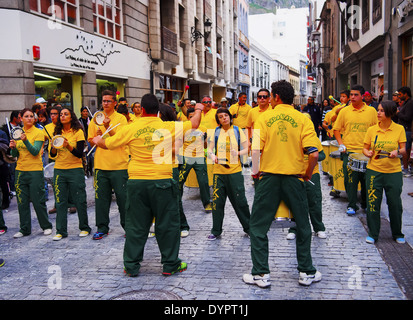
(110, 167)
(281, 137)
(349, 130)
(384, 143)
(29, 179)
(151, 190)
(69, 176)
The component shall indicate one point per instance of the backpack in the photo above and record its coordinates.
(237, 135)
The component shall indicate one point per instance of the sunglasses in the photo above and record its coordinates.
(207, 102)
(262, 97)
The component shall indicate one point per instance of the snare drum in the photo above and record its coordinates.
(98, 117)
(57, 141)
(336, 166)
(48, 172)
(16, 133)
(357, 162)
(283, 213)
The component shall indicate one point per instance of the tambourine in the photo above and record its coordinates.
(57, 142)
(98, 118)
(16, 133)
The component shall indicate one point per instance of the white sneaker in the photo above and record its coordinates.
(321, 234)
(184, 233)
(18, 235)
(47, 232)
(261, 281)
(290, 236)
(306, 279)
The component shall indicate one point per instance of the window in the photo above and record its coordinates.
(61, 10)
(253, 71)
(407, 52)
(107, 18)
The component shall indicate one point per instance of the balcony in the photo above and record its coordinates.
(209, 63)
(220, 68)
(169, 46)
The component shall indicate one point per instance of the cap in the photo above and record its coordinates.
(193, 102)
(224, 100)
(396, 93)
(366, 94)
(40, 100)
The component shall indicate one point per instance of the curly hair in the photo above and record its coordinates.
(284, 90)
(74, 124)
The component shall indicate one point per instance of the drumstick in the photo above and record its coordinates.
(8, 125)
(332, 98)
(107, 130)
(374, 147)
(89, 111)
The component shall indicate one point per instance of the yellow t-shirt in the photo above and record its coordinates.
(319, 149)
(327, 119)
(208, 119)
(227, 140)
(281, 134)
(64, 158)
(253, 115)
(387, 140)
(116, 159)
(181, 117)
(49, 130)
(241, 113)
(150, 142)
(353, 124)
(194, 142)
(27, 161)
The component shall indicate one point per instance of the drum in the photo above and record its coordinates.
(333, 147)
(283, 213)
(16, 133)
(57, 141)
(98, 117)
(336, 166)
(325, 162)
(357, 162)
(48, 172)
(192, 181)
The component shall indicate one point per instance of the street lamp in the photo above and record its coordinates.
(196, 34)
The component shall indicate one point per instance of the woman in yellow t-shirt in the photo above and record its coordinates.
(29, 181)
(383, 144)
(229, 143)
(69, 176)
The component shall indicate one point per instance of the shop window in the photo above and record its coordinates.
(170, 89)
(60, 10)
(407, 52)
(54, 89)
(107, 18)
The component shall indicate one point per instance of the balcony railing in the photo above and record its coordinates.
(169, 41)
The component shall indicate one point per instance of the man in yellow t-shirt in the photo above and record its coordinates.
(151, 190)
(110, 167)
(240, 111)
(281, 137)
(208, 114)
(349, 130)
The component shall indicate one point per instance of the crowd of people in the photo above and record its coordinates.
(149, 149)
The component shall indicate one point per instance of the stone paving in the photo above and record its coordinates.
(75, 268)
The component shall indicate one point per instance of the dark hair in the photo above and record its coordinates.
(166, 112)
(57, 108)
(122, 108)
(223, 110)
(358, 87)
(25, 110)
(284, 90)
(109, 93)
(36, 107)
(405, 90)
(263, 89)
(122, 99)
(241, 94)
(74, 124)
(14, 114)
(150, 103)
(189, 111)
(43, 113)
(389, 108)
(346, 92)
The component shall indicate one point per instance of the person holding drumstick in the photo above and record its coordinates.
(349, 130)
(69, 176)
(383, 144)
(229, 143)
(29, 179)
(110, 167)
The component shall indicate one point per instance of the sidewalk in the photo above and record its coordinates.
(74, 268)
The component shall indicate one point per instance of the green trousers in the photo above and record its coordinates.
(148, 199)
(200, 167)
(392, 184)
(70, 182)
(184, 222)
(351, 180)
(271, 189)
(105, 182)
(314, 200)
(30, 188)
(231, 186)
